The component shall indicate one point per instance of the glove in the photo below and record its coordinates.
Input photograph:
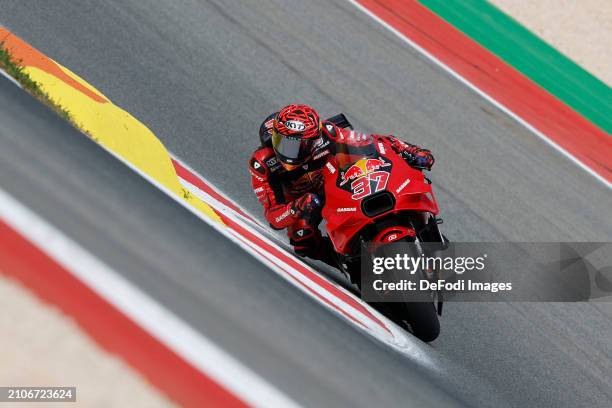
(416, 161)
(306, 206)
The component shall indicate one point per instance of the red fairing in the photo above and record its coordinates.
(347, 187)
(278, 214)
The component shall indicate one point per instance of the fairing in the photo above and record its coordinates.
(347, 187)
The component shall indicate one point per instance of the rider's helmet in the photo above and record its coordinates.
(294, 132)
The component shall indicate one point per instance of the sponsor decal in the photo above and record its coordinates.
(402, 186)
(362, 168)
(273, 164)
(295, 125)
(320, 143)
(258, 190)
(372, 183)
(257, 166)
(319, 155)
(366, 176)
(358, 137)
(331, 131)
(282, 216)
(302, 234)
(381, 148)
(330, 167)
(256, 176)
(346, 209)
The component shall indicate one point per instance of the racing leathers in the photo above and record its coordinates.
(293, 199)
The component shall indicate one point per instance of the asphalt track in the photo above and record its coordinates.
(202, 75)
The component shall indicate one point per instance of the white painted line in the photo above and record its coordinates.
(482, 94)
(141, 308)
(276, 263)
(252, 219)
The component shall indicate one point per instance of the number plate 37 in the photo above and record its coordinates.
(369, 184)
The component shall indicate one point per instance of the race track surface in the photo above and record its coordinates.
(203, 277)
(203, 74)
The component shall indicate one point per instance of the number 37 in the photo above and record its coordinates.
(362, 187)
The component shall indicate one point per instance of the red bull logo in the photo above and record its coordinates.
(361, 168)
(374, 164)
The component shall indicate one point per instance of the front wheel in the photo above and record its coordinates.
(421, 317)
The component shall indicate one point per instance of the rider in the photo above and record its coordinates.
(286, 172)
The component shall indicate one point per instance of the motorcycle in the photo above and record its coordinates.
(374, 198)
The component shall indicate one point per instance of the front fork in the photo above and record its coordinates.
(430, 233)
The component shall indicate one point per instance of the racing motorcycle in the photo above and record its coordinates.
(374, 198)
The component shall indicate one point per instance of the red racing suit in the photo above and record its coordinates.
(277, 189)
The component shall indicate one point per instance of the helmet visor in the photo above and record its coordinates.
(291, 150)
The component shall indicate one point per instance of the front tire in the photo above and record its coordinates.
(421, 317)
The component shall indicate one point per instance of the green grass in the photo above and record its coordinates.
(15, 69)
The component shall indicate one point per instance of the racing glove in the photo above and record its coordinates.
(306, 206)
(414, 155)
(417, 161)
